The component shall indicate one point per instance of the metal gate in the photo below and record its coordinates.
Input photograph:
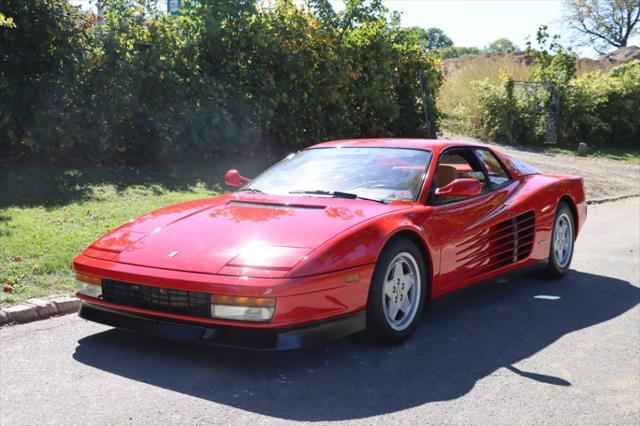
(544, 106)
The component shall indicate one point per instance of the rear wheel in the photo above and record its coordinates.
(562, 242)
(398, 292)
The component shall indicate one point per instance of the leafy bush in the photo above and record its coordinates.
(46, 43)
(597, 107)
(603, 109)
(467, 79)
(222, 78)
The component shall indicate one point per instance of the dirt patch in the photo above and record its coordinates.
(603, 178)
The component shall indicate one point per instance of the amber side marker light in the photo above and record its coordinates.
(88, 285)
(242, 308)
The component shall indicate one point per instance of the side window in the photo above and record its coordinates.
(498, 176)
(458, 165)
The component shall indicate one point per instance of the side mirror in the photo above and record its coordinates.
(235, 179)
(465, 188)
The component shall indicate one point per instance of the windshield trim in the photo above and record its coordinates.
(293, 154)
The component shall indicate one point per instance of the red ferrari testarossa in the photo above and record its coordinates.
(342, 237)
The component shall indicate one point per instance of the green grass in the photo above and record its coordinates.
(48, 215)
(628, 155)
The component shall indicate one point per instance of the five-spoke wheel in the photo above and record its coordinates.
(401, 291)
(397, 293)
(562, 238)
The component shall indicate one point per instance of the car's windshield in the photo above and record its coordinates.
(377, 173)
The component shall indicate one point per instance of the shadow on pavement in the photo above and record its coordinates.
(464, 338)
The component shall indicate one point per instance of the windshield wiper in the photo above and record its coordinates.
(336, 194)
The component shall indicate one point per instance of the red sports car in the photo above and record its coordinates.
(342, 237)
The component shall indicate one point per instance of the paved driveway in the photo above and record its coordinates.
(495, 353)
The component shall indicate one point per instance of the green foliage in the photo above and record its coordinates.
(504, 114)
(555, 65)
(223, 78)
(456, 51)
(598, 108)
(48, 45)
(603, 109)
(501, 46)
(430, 39)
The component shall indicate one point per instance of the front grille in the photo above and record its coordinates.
(161, 299)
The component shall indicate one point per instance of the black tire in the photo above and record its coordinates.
(558, 265)
(379, 327)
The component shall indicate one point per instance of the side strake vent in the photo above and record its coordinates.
(505, 243)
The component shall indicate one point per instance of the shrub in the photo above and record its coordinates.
(604, 107)
(222, 78)
(41, 52)
(599, 108)
(458, 99)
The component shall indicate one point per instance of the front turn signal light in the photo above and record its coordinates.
(242, 308)
(88, 285)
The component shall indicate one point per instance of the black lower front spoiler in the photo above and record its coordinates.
(236, 337)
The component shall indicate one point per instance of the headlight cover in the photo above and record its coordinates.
(88, 285)
(240, 308)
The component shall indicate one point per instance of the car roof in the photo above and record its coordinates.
(427, 144)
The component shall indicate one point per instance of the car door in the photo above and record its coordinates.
(464, 229)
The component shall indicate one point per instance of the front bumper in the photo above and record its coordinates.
(299, 300)
(228, 336)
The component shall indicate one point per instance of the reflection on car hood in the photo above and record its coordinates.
(204, 235)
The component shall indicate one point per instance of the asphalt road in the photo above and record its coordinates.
(493, 354)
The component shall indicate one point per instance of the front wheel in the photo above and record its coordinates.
(562, 242)
(398, 292)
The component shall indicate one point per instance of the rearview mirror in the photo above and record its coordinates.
(464, 188)
(235, 179)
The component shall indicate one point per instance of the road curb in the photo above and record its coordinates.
(39, 309)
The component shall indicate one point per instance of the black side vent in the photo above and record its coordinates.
(519, 231)
(507, 242)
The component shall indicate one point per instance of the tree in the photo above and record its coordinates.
(501, 46)
(438, 39)
(603, 24)
(431, 39)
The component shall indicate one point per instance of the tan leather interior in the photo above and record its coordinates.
(445, 175)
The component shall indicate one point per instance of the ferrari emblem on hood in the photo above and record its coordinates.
(172, 254)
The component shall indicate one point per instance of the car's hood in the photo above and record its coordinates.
(232, 233)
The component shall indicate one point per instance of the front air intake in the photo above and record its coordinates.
(182, 302)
